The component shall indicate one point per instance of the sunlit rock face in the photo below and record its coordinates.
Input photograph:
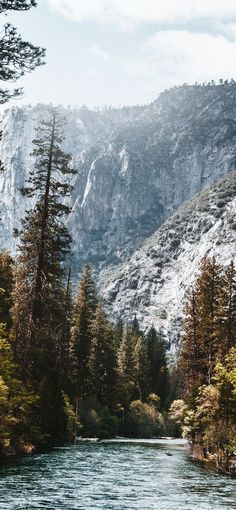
(135, 165)
(152, 284)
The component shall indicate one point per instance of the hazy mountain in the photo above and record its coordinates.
(135, 165)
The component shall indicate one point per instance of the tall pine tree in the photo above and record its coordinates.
(40, 280)
(83, 315)
(156, 353)
(6, 283)
(103, 360)
(203, 325)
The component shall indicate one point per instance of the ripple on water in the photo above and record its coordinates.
(114, 476)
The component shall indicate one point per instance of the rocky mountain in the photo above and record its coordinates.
(135, 165)
(153, 283)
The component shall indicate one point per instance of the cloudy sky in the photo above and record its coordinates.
(126, 51)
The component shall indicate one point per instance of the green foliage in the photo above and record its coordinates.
(83, 315)
(41, 293)
(208, 363)
(109, 424)
(111, 367)
(17, 57)
(103, 361)
(156, 353)
(19, 429)
(225, 381)
(144, 420)
(97, 420)
(210, 324)
(6, 283)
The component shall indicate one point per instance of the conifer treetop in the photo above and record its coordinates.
(16, 5)
(17, 57)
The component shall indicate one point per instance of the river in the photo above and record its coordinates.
(114, 475)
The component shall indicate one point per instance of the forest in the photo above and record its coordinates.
(65, 370)
(68, 371)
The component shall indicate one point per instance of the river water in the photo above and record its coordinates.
(114, 475)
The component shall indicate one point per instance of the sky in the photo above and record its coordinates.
(124, 52)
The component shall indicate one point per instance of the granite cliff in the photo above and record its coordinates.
(152, 284)
(135, 165)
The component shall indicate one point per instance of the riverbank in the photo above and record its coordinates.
(217, 460)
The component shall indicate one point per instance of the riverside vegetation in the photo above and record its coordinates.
(207, 366)
(67, 371)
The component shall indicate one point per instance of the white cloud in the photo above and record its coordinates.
(173, 57)
(195, 40)
(163, 11)
(99, 52)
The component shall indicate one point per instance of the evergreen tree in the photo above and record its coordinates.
(44, 240)
(192, 363)
(208, 362)
(203, 337)
(19, 425)
(63, 346)
(228, 310)
(39, 288)
(225, 381)
(118, 332)
(156, 354)
(208, 290)
(6, 283)
(135, 327)
(103, 361)
(127, 371)
(83, 315)
(127, 358)
(17, 57)
(142, 369)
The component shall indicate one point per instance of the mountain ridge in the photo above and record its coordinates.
(135, 165)
(152, 284)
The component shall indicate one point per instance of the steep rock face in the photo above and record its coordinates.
(135, 165)
(153, 283)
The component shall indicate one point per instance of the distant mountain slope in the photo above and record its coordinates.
(135, 165)
(152, 284)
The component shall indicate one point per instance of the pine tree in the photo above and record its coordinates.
(192, 363)
(40, 280)
(228, 310)
(17, 57)
(44, 244)
(156, 354)
(103, 360)
(127, 368)
(126, 356)
(142, 369)
(83, 315)
(63, 345)
(203, 337)
(19, 424)
(135, 327)
(208, 295)
(6, 283)
(118, 332)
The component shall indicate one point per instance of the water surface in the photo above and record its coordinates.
(112, 475)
